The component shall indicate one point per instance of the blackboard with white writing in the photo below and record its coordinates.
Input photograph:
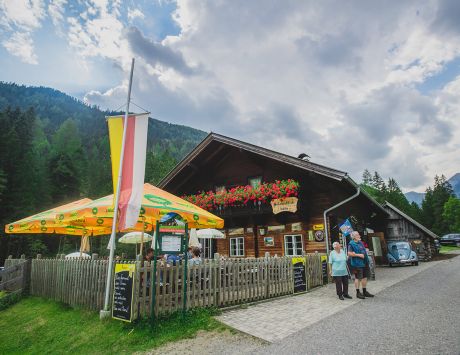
(123, 292)
(300, 280)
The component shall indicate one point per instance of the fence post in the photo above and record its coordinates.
(267, 279)
(218, 276)
(23, 256)
(10, 256)
(39, 256)
(94, 256)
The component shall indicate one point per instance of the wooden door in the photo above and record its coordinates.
(378, 245)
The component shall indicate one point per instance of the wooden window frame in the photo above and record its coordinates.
(237, 247)
(293, 235)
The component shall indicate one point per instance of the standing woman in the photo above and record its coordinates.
(338, 261)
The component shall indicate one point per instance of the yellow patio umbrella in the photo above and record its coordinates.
(45, 222)
(156, 203)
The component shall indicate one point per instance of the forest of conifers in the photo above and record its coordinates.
(54, 149)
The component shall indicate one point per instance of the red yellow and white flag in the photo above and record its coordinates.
(133, 168)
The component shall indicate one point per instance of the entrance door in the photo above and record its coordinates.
(378, 245)
(207, 248)
(293, 245)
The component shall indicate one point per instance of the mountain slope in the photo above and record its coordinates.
(54, 108)
(455, 182)
(418, 197)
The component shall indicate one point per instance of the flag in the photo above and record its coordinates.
(346, 228)
(133, 168)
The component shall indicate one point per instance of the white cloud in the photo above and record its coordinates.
(292, 76)
(56, 10)
(135, 14)
(21, 45)
(25, 14)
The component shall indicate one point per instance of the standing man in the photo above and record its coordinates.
(359, 264)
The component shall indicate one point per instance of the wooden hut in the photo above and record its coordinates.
(402, 227)
(290, 225)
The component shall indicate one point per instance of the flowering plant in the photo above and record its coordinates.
(242, 195)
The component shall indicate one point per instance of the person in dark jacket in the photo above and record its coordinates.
(359, 264)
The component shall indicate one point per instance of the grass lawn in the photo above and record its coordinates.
(446, 248)
(39, 326)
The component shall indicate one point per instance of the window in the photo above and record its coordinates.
(255, 181)
(207, 248)
(220, 188)
(293, 245)
(237, 246)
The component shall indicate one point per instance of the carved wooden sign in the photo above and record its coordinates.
(285, 204)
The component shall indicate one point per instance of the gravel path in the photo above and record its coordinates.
(221, 343)
(420, 315)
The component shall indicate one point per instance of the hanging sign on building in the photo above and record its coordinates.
(319, 236)
(285, 204)
(318, 227)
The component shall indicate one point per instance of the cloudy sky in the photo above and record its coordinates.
(354, 84)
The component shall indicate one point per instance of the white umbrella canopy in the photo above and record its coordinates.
(77, 254)
(135, 238)
(210, 233)
(193, 239)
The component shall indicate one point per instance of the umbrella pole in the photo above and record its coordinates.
(105, 313)
(142, 236)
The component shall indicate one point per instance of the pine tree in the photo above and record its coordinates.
(451, 214)
(378, 182)
(367, 178)
(433, 205)
(67, 163)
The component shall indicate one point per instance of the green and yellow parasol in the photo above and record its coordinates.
(156, 203)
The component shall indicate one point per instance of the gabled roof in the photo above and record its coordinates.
(413, 221)
(287, 159)
(283, 158)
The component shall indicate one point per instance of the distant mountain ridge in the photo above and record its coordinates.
(418, 197)
(53, 107)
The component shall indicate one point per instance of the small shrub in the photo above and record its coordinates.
(8, 299)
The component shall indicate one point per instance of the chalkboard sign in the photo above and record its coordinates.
(123, 289)
(324, 268)
(300, 280)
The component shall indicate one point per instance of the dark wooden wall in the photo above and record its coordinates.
(230, 166)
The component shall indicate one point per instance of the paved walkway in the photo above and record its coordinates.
(275, 320)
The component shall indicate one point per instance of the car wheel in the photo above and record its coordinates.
(416, 263)
(391, 265)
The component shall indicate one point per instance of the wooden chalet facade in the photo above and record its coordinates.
(253, 229)
(402, 227)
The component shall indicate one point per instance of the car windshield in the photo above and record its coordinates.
(402, 246)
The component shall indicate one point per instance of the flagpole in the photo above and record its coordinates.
(105, 313)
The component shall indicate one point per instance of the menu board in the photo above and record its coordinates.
(300, 280)
(324, 268)
(171, 244)
(123, 289)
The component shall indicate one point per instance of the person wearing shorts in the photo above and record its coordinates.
(359, 264)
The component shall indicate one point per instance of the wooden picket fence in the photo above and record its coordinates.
(77, 282)
(216, 282)
(314, 271)
(15, 276)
